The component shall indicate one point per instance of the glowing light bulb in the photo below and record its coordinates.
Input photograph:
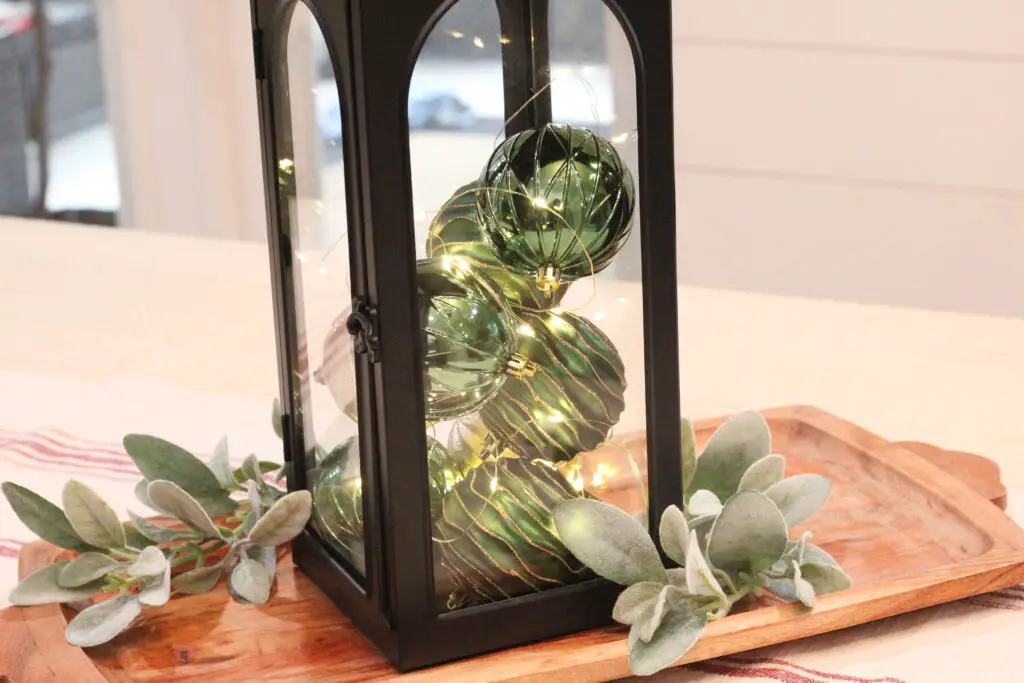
(478, 41)
(540, 203)
(302, 257)
(457, 35)
(494, 484)
(322, 269)
(620, 138)
(599, 315)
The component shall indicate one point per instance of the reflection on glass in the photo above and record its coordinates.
(311, 183)
(531, 320)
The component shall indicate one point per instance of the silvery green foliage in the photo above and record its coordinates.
(732, 541)
(133, 564)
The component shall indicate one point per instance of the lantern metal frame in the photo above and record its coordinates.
(374, 46)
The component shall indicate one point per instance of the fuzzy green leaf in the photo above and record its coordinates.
(750, 533)
(43, 518)
(182, 506)
(632, 602)
(677, 578)
(703, 503)
(800, 497)
(86, 568)
(699, 579)
(674, 534)
(142, 494)
(265, 556)
(250, 582)
(197, 581)
(157, 591)
(157, 533)
(265, 467)
(764, 473)
(42, 587)
(134, 539)
(283, 521)
(161, 460)
(678, 631)
(101, 623)
(220, 465)
(803, 589)
(653, 615)
(91, 517)
(689, 441)
(737, 444)
(150, 562)
(609, 541)
(825, 578)
(816, 555)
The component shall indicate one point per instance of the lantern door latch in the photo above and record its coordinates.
(361, 324)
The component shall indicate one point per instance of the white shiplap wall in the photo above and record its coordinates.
(864, 150)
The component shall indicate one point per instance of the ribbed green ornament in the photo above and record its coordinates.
(338, 502)
(469, 338)
(557, 203)
(574, 398)
(497, 536)
(338, 493)
(456, 232)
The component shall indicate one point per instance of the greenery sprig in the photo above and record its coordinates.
(731, 542)
(229, 522)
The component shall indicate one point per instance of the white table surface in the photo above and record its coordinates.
(108, 331)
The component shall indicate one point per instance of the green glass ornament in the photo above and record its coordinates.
(338, 502)
(574, 398)
(456, 232)
(497, 536)
(338, 493)
(557, 203)
(469, 338)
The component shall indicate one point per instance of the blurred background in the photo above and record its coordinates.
(865, 151)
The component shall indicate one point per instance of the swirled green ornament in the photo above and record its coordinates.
(497, 534)
(469, 338)
(338, 493)
(557, 203)
(574, 398)
(456, 232)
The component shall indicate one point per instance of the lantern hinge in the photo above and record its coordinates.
(362, 324)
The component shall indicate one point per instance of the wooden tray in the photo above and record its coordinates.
(910, 533)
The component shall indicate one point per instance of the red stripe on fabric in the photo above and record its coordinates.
(829, 676)
(61, 440)
(79, 469)
(8, 552)
(45, 456)
(1011, 604)
(756, 668)
(11, 541)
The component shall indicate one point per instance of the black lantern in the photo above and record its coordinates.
(475, 301)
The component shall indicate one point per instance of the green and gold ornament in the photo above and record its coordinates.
(557, 203)
(469, 338)
(572, 400)
(497, 536)
(338, 492)
(456, 232)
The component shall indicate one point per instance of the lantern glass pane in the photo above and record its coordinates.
(529, 289)
(311, 183)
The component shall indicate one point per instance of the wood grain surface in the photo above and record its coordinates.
(908, 528)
